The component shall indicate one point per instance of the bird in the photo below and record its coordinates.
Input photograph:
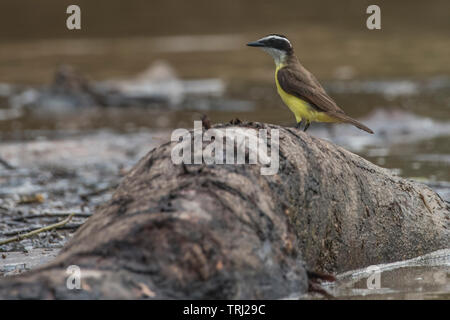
(299, 89)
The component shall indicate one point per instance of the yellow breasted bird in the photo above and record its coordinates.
(298, 87)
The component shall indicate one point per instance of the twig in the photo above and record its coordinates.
(32, 233)
(315, 287)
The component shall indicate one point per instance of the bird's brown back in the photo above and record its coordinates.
(295, 80)
(298, 81)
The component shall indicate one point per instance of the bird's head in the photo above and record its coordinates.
(278, 46)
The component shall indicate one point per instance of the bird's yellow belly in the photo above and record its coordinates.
(301, 108)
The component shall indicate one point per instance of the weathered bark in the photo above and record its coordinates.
(226, 231)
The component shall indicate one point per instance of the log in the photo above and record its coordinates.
(228, 232)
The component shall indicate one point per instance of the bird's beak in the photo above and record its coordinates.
(255, 44)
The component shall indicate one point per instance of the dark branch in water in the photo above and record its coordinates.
(6, 164)
(318, 276)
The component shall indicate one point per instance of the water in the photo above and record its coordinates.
(423, 277)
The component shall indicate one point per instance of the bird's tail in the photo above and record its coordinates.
(345, 118)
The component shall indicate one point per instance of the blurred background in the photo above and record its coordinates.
(78, 108)
(159, 65)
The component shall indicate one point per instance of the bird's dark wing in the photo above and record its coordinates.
(304, 87)
(299, 82)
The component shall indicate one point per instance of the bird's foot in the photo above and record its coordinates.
(299, 124)
(306, 125)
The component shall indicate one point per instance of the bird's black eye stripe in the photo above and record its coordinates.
(278, 44)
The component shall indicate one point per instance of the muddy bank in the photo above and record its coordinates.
(45, 180)
(14, 263)
(228, 232)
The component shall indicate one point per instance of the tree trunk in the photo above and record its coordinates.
(226, 231)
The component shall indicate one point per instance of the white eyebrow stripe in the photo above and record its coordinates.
(275, 37)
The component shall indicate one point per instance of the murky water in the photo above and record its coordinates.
(396, 80)
(423, 277)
